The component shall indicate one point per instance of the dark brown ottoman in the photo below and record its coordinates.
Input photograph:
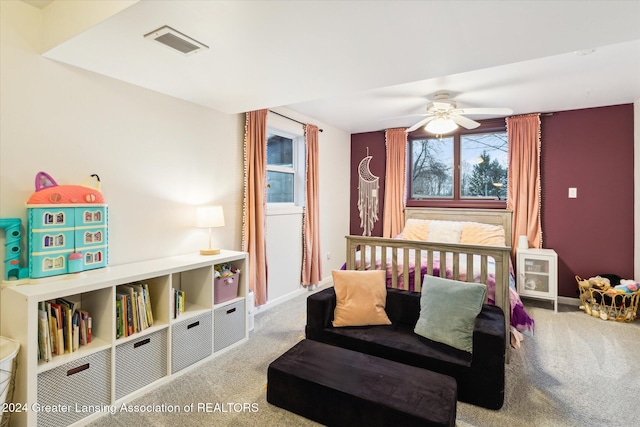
(339, 387)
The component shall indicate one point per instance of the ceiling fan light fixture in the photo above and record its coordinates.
(441, 125)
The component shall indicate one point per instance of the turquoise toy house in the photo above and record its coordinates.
(67, 228)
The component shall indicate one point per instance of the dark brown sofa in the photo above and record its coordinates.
(479, 376)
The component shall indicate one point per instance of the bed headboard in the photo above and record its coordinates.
(486, 216)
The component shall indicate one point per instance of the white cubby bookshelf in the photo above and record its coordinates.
(97, 373)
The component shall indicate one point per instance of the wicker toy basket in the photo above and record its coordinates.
(606, 303)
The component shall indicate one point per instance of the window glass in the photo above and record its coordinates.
(281, 172)
(432, 168)
(280, 187)
(484, 164)
(279, 151)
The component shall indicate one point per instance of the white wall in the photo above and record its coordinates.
(284, 252)
(158, 157)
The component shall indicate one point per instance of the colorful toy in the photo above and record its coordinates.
(13, 249)
(627, 286)
(224, 270)
(66, 231)
(67, 228)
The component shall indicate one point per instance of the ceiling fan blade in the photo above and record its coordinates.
(404, 117)
(420, 123)
(489, 111)
(465, 122)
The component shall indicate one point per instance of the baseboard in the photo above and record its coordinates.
(569, 301)
(277, 301)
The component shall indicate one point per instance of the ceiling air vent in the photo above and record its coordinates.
(176, 40)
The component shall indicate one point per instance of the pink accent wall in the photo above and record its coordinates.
(591, 150)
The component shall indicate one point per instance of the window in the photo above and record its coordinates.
(484, 163)
(469, 168)
(284, 181)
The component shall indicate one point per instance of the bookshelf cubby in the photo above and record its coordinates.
(106, 371)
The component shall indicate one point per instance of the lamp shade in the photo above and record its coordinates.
(209, 217)
(441, 125)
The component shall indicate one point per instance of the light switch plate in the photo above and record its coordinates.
(573, 193)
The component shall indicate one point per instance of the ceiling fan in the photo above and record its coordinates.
(443, 116)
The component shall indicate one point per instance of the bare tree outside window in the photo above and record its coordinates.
(432, 171)
(481, 159)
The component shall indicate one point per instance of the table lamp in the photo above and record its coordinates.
(209, 217)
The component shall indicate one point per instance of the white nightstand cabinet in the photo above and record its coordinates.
(110, 370)
(537, 274)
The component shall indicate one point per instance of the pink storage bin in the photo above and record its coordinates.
(225, 288)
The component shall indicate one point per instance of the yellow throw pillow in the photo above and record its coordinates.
(475, 233)
(416, 229)
(360, 298)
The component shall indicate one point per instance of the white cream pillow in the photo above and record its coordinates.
(444, 231)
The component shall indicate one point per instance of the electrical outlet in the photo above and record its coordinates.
(573, 193)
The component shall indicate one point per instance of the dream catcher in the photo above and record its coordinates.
(367, 195)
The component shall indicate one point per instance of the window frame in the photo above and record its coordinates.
(297, 170)
(486, 126)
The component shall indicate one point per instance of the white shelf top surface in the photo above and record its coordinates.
(87, 281)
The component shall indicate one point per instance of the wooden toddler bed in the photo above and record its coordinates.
(486, 264)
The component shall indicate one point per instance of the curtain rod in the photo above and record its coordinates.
(293, 120)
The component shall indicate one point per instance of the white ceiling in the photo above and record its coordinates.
(354, 64)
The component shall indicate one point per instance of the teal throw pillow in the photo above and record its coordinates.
(448, 311)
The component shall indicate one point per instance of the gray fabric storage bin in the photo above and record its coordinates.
(191, 341)
(83, 382)
(140, 362)
(228, 324)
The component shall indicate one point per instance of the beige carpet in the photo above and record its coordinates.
(576, 371)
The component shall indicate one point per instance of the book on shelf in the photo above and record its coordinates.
(44, 339)
(172, 303)
(53, 328)
(68, 329)
(133, 309)
(70, 323)
(83, 316)
(145, 312)
(62, 328)
(148, 301)
(56, 312)
(119, 326)
(132, 304)
(177, 302)
(143, 322)
(125, 318)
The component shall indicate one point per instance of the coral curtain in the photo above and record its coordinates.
(312, 260)
(395, 182)
(254, 204)
(524, 178)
